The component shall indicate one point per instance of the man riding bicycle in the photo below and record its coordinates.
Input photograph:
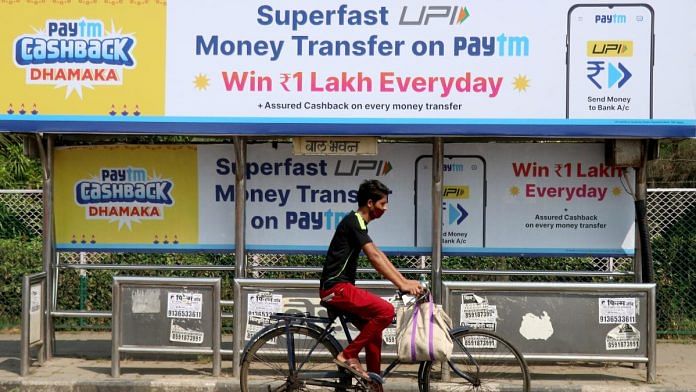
(370, 313)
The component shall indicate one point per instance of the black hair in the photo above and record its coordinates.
(371, 190)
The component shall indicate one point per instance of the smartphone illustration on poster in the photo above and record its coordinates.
(463, 201)
(609, 61)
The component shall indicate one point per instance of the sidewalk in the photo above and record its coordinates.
(82, 363)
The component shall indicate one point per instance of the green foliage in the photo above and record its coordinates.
(18, 257)
(16, 170)
(676, 167)
(11, 226)
(674, 254)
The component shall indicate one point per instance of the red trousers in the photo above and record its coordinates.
(373, 315)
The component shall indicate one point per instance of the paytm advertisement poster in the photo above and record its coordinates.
(126, 197)
(82, 59)
(509, 67)
(511, 198)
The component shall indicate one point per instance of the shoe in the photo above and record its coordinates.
(353, 366)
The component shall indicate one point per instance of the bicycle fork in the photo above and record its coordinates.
(473, 379)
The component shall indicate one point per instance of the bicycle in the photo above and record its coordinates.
(295, 354)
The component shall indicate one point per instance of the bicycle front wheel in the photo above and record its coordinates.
(266, 365)
(481, 361)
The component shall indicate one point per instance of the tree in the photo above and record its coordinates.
(676, 167)
(16, 170)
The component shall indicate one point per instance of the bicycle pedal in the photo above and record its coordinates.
(375, 378)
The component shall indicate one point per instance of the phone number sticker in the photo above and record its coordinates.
(189, 314)
(617, 310)
(185, 335)
(616, 319)
(184, 305)
(623, 337)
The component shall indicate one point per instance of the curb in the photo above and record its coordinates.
(232, 385)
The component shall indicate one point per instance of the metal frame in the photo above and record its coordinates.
(26, 345)
(561, 288)
(436, 220)
(116, 328)
(52, 266)
(608, 275)
(48, 236)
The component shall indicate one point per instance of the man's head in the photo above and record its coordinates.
(374, 196)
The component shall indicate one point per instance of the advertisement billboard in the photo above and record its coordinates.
(498, 198)
(522, 68)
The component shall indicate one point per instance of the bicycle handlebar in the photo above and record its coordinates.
(416, 299)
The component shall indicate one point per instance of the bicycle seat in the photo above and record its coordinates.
(334, 313)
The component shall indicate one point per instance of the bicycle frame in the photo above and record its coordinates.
(312, 378)
(322, 329)
(326, 333)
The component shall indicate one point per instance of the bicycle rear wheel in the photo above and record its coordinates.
(481, 361)
(266, 366)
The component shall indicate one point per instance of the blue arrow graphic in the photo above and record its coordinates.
(614, 74)
(626, 75)
(453, 215)
(620, 74)
(464, 214)
(457, 213)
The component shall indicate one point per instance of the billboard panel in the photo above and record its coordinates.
(525, 68)
(507, 198)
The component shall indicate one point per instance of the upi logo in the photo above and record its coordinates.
(451, 14)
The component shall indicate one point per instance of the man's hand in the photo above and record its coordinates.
(412, 287)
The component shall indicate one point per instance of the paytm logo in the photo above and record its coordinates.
(613, 18)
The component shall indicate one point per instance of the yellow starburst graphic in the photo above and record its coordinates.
(514, 190)
(521, 83)
(616, 191)
(201, 81)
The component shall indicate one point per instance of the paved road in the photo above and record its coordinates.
(82, 363)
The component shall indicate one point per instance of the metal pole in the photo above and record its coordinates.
(652, 341)
(83, 287)
(438, 156)
(637, 257)
(237, 329)
(217, 330)
(240, 151)
(48, 252)
(640, 194)
(240, 207)
(444, 367)
(24, 338)
(115, 329)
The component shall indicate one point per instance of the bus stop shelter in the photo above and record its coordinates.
(500, 134)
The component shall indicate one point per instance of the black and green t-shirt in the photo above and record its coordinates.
(341, 261)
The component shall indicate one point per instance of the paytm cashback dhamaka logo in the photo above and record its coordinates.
(124, 195)
(75, 53)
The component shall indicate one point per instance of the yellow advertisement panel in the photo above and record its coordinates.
(126, 197)
(83, 57)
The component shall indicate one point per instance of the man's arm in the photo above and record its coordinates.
(385, 267)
